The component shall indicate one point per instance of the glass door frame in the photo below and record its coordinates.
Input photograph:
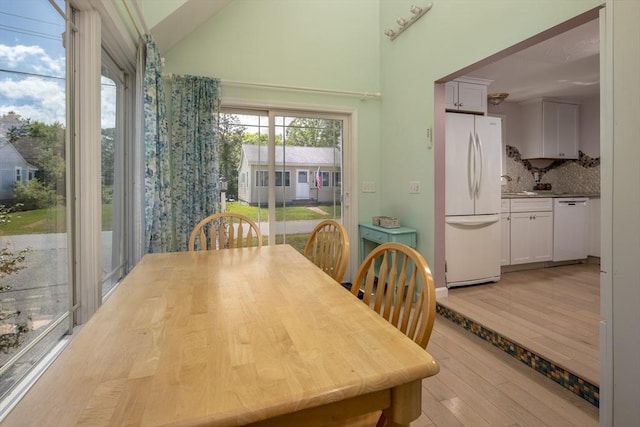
(349, 211)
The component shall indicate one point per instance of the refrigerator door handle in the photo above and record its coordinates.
(471, 166)
(479, 162)
(472, 222)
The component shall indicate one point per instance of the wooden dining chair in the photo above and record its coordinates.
(396, 282)
(223, 231)
(328, 248)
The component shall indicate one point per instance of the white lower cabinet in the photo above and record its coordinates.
(531, 237)
(530, 230)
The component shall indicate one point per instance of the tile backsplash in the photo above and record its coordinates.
(568, 176)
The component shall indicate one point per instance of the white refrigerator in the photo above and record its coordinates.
(473, 157)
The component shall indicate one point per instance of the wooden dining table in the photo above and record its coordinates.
(229, 337)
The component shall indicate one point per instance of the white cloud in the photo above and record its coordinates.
(31, 59)
(38, 98)
(33, 112)
(35, 98)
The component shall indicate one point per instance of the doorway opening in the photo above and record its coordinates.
(560, 64)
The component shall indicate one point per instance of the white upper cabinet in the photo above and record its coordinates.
(467, 94)
(549, 130)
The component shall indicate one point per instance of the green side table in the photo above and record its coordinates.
(373, 235)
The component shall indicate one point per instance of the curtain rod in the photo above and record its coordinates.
(362, 95)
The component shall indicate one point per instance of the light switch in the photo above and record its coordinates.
(414, 187)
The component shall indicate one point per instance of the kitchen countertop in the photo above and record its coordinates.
(530, 194)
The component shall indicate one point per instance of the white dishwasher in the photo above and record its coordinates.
(570, 222)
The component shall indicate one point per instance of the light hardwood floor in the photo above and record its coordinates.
(479, 385)
(553, 312)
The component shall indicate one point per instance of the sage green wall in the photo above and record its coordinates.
(328, 44)
(453, 35)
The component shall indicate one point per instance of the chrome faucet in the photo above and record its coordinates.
(507, 177)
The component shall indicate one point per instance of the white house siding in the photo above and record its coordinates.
(297, 158)
(244, 189)
(10, 159)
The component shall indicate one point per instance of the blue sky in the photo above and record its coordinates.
(31, 43)
(32, 62)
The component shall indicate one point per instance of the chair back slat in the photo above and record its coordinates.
(225, 230)
(396, 282)
(328, 248)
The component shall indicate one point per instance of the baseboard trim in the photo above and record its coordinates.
(442, 292)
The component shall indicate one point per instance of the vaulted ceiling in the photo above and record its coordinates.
(564, 66)
(184, 20)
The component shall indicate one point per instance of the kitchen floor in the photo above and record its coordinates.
(552, 313)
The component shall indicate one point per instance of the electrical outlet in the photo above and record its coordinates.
(414, 187)
(368, 187)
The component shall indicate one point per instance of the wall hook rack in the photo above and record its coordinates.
(403, 23)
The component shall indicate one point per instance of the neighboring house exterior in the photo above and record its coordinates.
(303, 174)
(13, 168)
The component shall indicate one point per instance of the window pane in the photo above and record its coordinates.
(112, 167)
(337, 179)
(311, 148)
(303, 146)
(325, 179)
(33, 215)
(243, 162)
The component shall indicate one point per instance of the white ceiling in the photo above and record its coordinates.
(565, 66)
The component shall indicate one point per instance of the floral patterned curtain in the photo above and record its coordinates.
(157, 198)
(195, 192)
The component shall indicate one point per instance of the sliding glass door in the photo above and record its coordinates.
(283, 169)
(35, 279)
(308, 154)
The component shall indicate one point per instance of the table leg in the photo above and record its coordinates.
(406, 404)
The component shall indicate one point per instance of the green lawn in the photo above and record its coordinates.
(298, 241)
(53, 220)
(291, 213)
(50, 220)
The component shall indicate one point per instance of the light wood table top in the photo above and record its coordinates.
(228, 337)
